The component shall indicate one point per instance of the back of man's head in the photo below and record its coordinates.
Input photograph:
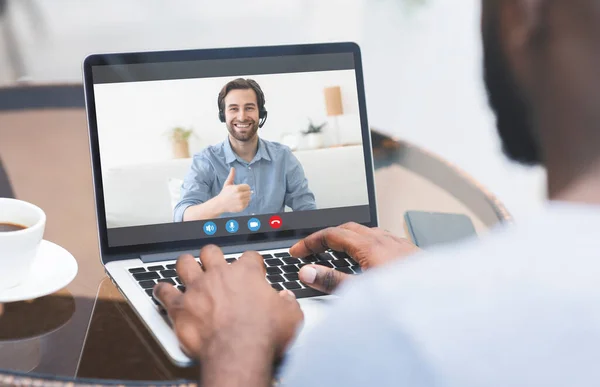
(541, 61)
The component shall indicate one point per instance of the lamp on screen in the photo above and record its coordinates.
(333, 104)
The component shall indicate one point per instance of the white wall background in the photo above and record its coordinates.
(134, 118)
(422, 63)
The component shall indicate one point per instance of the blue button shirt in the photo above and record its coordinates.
(275, 176)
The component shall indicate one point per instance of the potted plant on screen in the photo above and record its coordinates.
(314, 135)
(180, 141)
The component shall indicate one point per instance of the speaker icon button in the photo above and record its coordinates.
(210, 228)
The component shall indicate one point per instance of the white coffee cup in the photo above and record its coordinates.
(19, 248)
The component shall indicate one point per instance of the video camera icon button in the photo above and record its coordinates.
(210, 228)
(232, 226)
(253, 224)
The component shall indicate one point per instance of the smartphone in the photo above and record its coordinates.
(428, 229)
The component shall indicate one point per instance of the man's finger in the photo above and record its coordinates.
(243, 188)
(169, 297)
(231, 177)
(188, 269)
(287, 295)
(253, 259)
(212, 257)
(322, 278)
(290, 300)
(335, 238)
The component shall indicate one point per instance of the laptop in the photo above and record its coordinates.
(160, 138)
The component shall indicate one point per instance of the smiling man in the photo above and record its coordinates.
(245, 174)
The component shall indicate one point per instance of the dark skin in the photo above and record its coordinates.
(551, 50)
(370, 247)
(231, 319)
(540, 59)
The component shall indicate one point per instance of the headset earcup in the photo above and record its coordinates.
(263, 118)
(221, 116)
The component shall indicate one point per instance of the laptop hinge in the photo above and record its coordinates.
(173, 255)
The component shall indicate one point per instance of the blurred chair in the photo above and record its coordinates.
(14, 55)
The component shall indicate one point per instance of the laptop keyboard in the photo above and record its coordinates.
(282, 272)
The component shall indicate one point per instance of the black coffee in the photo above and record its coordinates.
(5, 227)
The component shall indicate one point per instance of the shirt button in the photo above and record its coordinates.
(249, 167)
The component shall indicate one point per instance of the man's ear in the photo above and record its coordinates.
(520, 23)
(520, 20)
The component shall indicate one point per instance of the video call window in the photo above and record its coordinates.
(170, 152)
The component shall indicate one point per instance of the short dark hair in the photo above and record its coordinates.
(241, 84)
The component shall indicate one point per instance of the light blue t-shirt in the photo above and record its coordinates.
(275, 176)
(521, 307)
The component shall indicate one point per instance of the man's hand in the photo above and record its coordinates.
(234, 198)
(229, 318)
(370, 247)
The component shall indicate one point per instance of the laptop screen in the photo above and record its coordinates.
(228, 146)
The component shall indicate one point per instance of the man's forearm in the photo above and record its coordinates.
(207, 210)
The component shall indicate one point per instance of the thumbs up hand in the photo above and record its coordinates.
(234, 198)
(230, 178)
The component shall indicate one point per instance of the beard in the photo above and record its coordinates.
(245, 135)
(513, 113)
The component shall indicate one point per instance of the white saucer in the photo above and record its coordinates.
(52, 269)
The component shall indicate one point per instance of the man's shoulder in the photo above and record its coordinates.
(277, 147)
(520, 289)
(209, 152)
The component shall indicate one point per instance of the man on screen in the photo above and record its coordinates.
(245, 174)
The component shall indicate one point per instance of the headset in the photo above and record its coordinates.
(260, 97)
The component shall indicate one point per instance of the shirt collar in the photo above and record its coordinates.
(262, 152)
(231, 156)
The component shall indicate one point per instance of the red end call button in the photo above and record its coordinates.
(275, 221)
